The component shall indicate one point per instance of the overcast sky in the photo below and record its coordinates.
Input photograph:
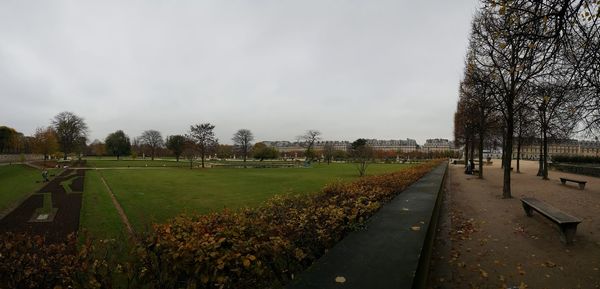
(372, 69)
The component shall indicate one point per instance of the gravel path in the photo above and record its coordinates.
(488, 242)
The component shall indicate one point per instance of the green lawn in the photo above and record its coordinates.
(155, 195)
(111, 162)
(98, 215)
(16, 182)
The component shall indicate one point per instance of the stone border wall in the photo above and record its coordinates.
(575, 169)
(16, 158)
(422, 273)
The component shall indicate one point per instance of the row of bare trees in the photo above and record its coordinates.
(531, 72)
(199, 141)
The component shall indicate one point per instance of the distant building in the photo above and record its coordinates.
(438, 145)
(569, 147)
(337, 145)
(284, 146)
(407, 145)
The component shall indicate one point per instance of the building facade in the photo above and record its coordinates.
(407, 145)
(568, 147)
(438, 145)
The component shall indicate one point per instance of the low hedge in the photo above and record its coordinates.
(259, 247)
(576, 159)
(29, 262)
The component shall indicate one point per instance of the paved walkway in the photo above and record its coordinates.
(387, 253)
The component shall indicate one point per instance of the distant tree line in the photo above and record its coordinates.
(67, 136)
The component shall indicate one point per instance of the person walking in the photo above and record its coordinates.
(45, 175)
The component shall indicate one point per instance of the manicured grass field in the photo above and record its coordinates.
(98, 215)
(16, 182)
(112, 162)
(155, 195)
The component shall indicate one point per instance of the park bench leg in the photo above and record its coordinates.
(564, 182)
(568, 233)
(581, 186)
(528, 210)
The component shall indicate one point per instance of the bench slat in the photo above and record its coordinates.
(555, 214)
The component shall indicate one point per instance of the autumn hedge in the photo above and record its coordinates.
(259, 247)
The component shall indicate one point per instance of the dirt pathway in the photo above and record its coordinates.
(488, 242)
(117, 206)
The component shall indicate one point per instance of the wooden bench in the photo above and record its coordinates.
(566, 223)
(581, 183)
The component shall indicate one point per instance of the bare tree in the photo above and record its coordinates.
(204, 137)
(362, 154)
(328, 152)
(308, 140)
(524, 127)
(190, 150)
(557, 115)
(477, 91)
(464, 125)
(153, 140)
(516, 42)
(135, 147)
(70, 129)
(242, 140)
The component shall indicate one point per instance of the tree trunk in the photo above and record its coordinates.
(481, 134)
(545, 171)
(472, 155)
(519, 140)
(202, 158)
(466, 151)
(506, 191)
(541, 159)
(503, 149)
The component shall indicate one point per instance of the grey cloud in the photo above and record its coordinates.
(377, 69)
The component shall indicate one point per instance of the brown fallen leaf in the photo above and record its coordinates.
(523, 286)
(340, 279)
(483, 273)
(550, 264)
